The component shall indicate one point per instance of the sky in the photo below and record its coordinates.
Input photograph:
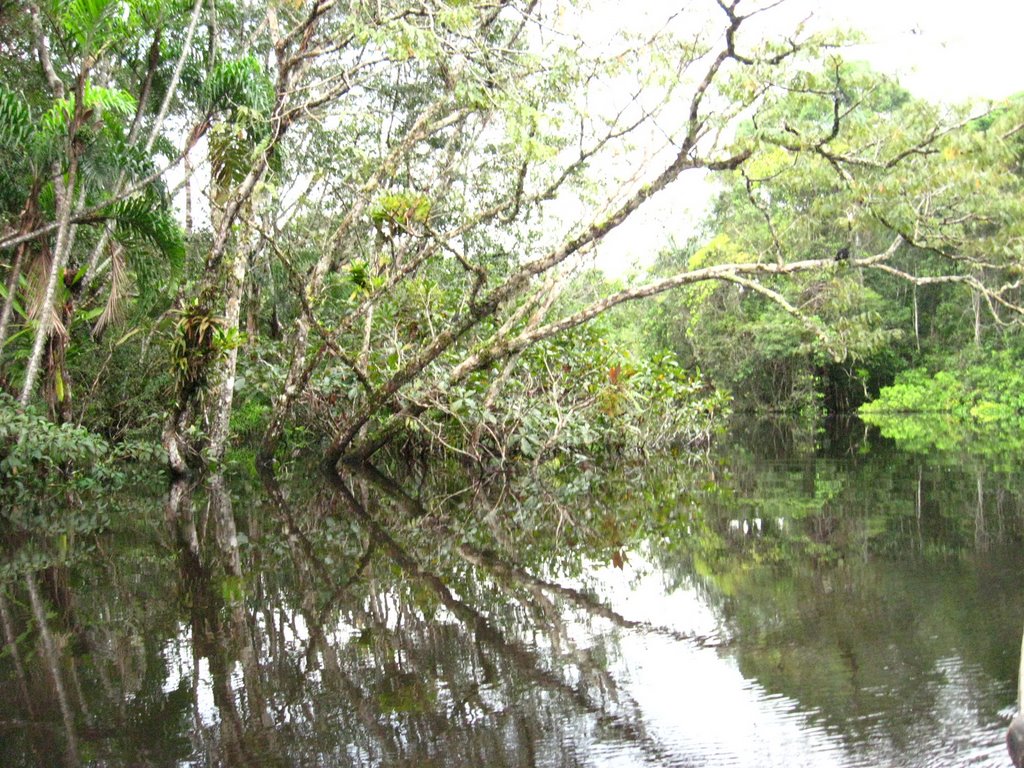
(940, 50)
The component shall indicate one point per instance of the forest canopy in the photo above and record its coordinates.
(361, 225)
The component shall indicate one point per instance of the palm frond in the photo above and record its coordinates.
(54, 121)
(114, 309)
(111, 100)
(230, 154)
(238, 83)
(146, 219)
(38, 276)
(163, 146)
(113, 156)
(89, 20)
(15, 121)
(242, 92)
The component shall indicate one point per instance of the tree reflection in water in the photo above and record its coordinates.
(431, 622)
(341, 639)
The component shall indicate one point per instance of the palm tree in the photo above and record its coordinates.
(80, 163)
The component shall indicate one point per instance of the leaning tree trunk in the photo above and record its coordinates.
(44, 321)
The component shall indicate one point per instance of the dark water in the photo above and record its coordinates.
(791, 599)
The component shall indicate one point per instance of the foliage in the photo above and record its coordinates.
(40, 457)
(130, 382)
(198, 338)
(985, 391)
(142, 219)
(846, 332)
(400, 209)
(914, 391)
(574, 399)
(392, 247)
(977, 404)
(236, 85)
(70, 147)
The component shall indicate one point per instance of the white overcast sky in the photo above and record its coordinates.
(942, 50)
(939, 49)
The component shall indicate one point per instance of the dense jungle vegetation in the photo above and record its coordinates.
(242, 242)
(348, 227)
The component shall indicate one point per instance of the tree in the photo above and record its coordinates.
(388, 189)
(887, 171)
(494, 315)
(76, 160)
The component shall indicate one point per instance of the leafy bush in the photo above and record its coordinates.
(989, 391)
(981, 404)
(577, 396)
(56, 485)
(916, 391)
(45, 466)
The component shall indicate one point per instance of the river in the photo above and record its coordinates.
(790, 598)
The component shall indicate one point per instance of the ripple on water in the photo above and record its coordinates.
(696, 708)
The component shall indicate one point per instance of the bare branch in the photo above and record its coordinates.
(43, 52)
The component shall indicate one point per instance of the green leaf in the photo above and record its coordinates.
(238, 83)
(56, 119)
(127, 336)
(15, 120)
(108, 99)
(90, 21)
(143, 218)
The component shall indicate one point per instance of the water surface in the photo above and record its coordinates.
(790, 599)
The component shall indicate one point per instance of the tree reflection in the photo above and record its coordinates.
(426, 618)
(338, 631)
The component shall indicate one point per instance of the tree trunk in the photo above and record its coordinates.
(12, 288)
(295, 382)
(52, 661)
(220, 421)
(29, 221)
(917, 321)
(976, 305)
(64, 192)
